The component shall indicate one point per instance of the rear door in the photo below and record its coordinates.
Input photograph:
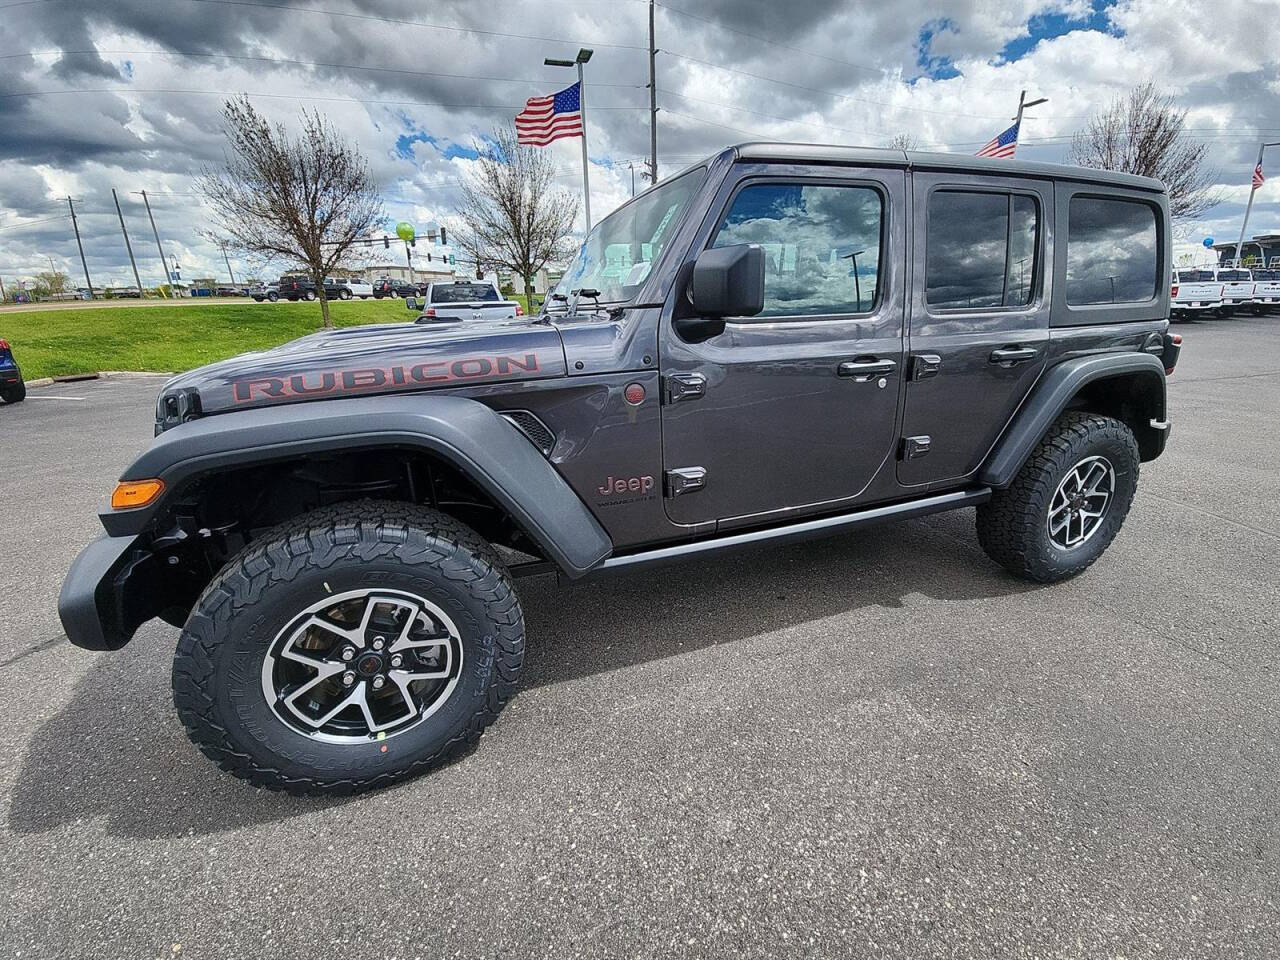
(797, 413)
(978, 332)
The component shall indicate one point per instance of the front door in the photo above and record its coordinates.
(978, 334)
(797, 413)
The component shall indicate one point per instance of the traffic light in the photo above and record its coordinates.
(413, 242)
(443, 240)
(386, 242)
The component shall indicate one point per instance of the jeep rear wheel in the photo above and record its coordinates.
(350, 648)
(1068, 501)
(14, 393)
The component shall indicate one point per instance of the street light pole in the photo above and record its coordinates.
(584, 54)
(1249, 207)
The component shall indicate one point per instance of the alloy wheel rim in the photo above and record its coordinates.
(362, 665)
(1079, 505)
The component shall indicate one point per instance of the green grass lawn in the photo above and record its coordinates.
(169, 338)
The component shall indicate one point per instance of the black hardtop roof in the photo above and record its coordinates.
(767, 152)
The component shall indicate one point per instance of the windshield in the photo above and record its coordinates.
(463, 293)
(621, 249)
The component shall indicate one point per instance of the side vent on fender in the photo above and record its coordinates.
(539, 433)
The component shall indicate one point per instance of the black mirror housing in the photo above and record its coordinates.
(411, 303)
(728, 281)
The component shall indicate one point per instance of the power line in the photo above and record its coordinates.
(301, 63)
(32, 223)
(288, 96)
(776, 43)
(419, 23)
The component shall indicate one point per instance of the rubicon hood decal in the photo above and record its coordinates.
(387, 358)
(315, 384)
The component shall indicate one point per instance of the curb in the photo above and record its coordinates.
(100, 375)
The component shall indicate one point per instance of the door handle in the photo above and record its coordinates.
(1012, 355)
(863, 370)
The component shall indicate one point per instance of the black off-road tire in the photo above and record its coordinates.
(217, 671)
(1013, 525)
(15, 393)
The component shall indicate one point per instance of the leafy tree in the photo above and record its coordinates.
(512, 213)
(1143, 132)
(50, 283)
(306, 199)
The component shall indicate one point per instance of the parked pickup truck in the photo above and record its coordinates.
(1237, 289)
(337, 525)
(1266, 290)
(469, 300)
(1195, 292)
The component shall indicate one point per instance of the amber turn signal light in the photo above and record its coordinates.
(135, 493)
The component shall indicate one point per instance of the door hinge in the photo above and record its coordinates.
(684, 480)
(683, 386)
(913, 448)
(925, 365)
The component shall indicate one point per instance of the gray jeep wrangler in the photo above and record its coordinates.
(781, 342)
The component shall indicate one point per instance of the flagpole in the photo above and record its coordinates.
(582, 109)
(1244, 226)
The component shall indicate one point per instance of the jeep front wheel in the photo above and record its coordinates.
(355, 646)
(1068, 501)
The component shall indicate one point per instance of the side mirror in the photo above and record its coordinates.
(728, 281)
(411, 303)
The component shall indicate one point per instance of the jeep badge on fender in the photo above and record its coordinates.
(782, 342)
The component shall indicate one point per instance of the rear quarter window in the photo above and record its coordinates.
(463, 293)
(1112, 251)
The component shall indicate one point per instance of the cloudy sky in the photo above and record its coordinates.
(96, 94)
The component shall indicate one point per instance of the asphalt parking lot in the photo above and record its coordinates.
(873, 746)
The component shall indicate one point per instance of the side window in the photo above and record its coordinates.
(821, 243)
(980, 250)
(1111, 251)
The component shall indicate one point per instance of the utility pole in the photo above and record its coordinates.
(653, 103)
(127, 245)
(225, 260)
(85, 263)
(632, 168)
(1257, 171)
(1023, 104)
(164, 264)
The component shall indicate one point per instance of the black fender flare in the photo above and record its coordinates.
(472, 437)
(1060, 385)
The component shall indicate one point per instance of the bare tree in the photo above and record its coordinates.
(904, 141)
(513, 216)
(472, 251)
(306, 200)
(1143, 132)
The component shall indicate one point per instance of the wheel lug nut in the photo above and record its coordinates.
(348, 653)
(397, 660)
(379, 642)
(378, 682)
(348, 678)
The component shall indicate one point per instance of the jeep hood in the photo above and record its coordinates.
(383, 358)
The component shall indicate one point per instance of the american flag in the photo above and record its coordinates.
(544, 119)
(1258, 178)
(1002, 146)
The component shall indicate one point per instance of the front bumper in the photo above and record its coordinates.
(113, 587)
